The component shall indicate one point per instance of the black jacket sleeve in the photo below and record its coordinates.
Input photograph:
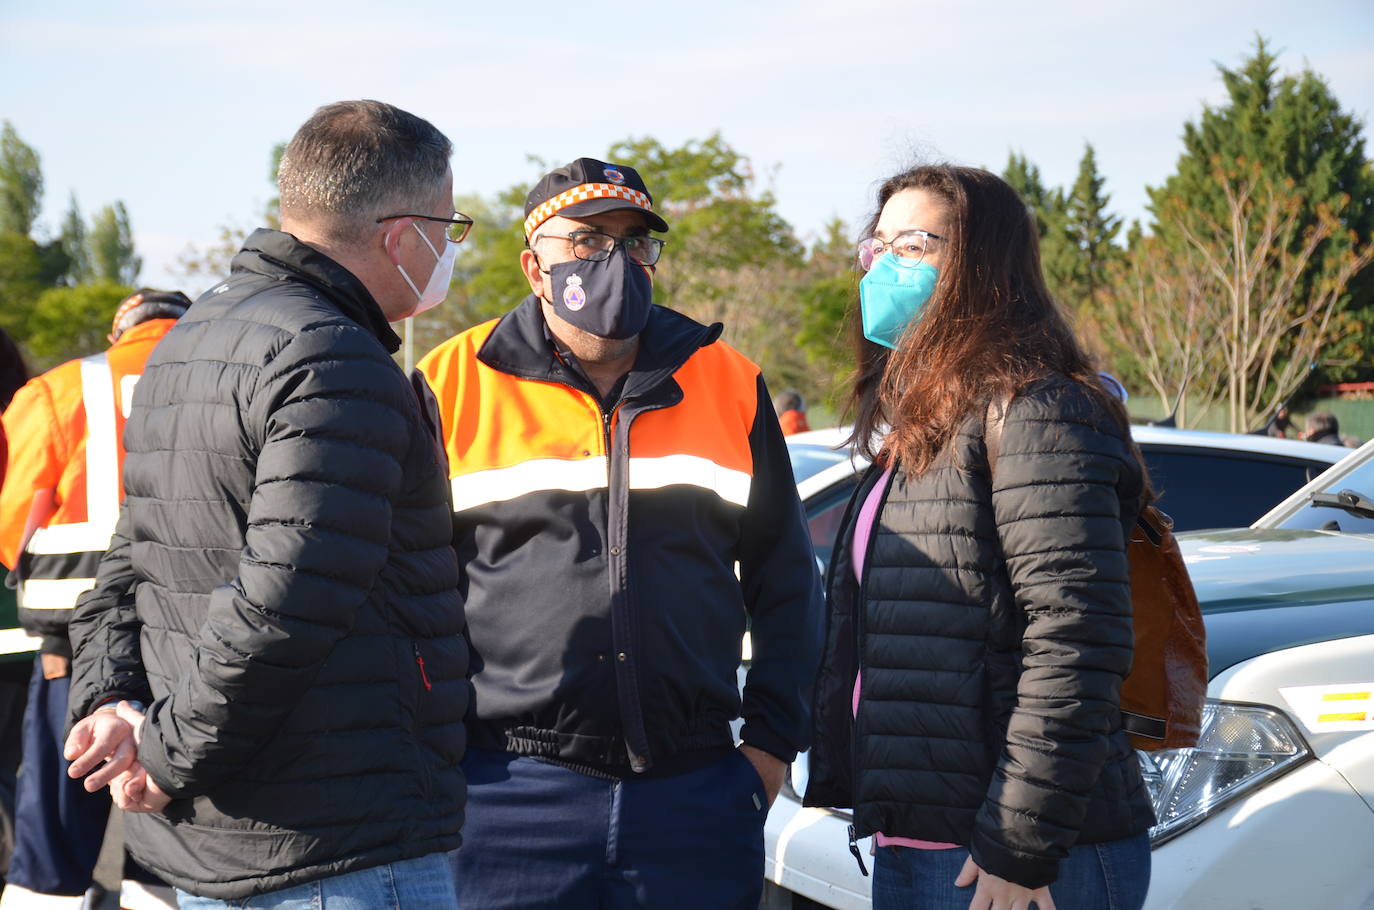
(782, 592)
(106, 662)
(1058, 502)
(331, 445)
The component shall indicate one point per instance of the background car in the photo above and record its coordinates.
(1204, 480)
(1275, 806)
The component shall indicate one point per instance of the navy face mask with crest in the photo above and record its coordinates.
(611, 298)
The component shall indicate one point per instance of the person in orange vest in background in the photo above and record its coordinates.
(791, 408)
(58, 509)
(15, 647)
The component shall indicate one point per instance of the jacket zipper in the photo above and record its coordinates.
(420, 662)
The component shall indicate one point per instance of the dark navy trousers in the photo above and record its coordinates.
(58, 825)
(538, 835)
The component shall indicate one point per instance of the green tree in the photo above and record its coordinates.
(66, 322)
(1059, 257)
(21, 281)
(1091, 229)
(829, 292)
(21, 183)
(72, 240)
(111, 245)
(1293, 129)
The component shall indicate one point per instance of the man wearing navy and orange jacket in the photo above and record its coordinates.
(623, 509)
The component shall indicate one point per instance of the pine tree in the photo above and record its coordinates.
(1091, 230)
(73, 242)
(1058, 257)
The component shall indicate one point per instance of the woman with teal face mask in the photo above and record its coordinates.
(979, 620)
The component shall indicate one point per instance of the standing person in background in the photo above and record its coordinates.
(968, 705)
(791, 410)
(15, 666)
(613, 462)
(1322, 427)
(58, 509)
(271, 665)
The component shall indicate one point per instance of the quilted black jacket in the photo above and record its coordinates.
(282, 590)
(993, 628)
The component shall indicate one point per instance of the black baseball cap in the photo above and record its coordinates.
(588, 187)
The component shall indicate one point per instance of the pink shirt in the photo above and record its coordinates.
(863, 530)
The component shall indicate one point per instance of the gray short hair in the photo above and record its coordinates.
(353, 162)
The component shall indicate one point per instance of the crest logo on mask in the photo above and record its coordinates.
(574, 298)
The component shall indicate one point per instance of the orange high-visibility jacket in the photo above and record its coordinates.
(598, 541)
(61, 495)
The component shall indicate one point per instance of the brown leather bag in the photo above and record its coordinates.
(1162, 696)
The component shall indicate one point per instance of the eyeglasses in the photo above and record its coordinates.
(595, 246)
(910, 247)
(458, 226)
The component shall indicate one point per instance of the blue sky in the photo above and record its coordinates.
(174, 107)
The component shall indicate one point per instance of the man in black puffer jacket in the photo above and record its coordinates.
(281, 591)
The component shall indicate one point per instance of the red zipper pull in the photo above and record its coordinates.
(420, 661)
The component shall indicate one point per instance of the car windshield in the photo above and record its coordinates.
(811, 458)
(1339, 504)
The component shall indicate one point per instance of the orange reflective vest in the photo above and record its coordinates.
(60, 500)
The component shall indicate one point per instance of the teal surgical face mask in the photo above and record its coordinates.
(892, 296)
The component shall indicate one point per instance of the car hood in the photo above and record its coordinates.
(1264, 590)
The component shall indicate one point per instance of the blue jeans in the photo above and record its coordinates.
(410, 884)
(542, 837)
(1110, 876)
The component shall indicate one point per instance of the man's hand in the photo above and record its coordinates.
(103, 736)
(133, 790)
(771, 770)
(995, 893)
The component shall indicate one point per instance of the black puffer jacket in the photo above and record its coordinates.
(993, 629)
(282, 590)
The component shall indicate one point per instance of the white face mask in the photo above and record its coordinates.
(439, 280)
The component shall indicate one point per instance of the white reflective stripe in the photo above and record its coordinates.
(53, 593)
(543, 474)
(81, 537)
(17, 641)
(102, 443)
(126, 393)
(727, 483)
(502, 484)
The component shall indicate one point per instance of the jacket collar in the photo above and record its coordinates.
(519, 345)
(279, 255)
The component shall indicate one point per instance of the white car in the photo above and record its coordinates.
(1275, 807)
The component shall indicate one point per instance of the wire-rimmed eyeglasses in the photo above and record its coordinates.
(910, 247)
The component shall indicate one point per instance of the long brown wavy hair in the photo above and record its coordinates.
(989, 328)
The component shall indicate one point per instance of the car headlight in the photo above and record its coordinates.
(1241, 748)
